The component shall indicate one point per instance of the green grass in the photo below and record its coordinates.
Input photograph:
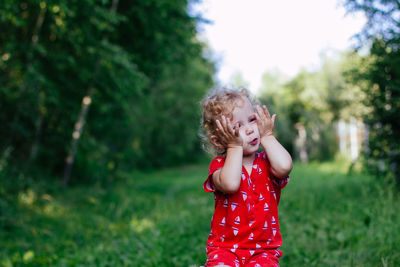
(162, 218)
(329, 218)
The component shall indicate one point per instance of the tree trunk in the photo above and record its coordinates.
(78, 128)
(353, 139)
(300, 142)
(342, 134)
(39, 121)
(79, 125)
(38, 131)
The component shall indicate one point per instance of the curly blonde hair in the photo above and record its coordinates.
(218, 102)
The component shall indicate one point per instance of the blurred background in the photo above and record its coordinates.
(99, 113)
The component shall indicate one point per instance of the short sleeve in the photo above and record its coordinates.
(281, 183)
(216, 164)
(278, 182)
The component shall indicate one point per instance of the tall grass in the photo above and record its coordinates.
(162, 218)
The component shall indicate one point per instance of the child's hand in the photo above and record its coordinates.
(228, 135)
(264, 121)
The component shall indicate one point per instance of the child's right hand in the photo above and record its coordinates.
(228, 135)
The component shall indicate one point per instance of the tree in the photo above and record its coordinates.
(381, 81)
(137, 64)
(309, 104)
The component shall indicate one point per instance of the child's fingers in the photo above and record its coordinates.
(225, 124)
(266, 112)
(230, 127)
(220, 127)
(259, 110)
(259, 114)
(236, 129)
(273, 119)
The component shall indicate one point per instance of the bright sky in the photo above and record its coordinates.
(255, 36)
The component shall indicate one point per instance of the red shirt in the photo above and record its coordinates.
(247, 219)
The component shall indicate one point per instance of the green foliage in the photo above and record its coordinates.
(310, 100)
(382, 18)
(272, 91)
(381, 84)
(143, 63)
(162, 218)
(383, 98)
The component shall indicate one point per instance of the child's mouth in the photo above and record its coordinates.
(254, 142)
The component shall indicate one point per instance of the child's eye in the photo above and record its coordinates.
(253, 119)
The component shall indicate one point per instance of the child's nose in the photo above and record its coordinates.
(249, 130)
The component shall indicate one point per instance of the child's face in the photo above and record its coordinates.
(244, 117)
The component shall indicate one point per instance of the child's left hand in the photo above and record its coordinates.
(264, 121)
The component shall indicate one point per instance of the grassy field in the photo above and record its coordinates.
(162, 218)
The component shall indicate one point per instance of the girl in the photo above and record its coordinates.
(246, 184)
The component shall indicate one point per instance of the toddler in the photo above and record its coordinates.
(246, 184)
